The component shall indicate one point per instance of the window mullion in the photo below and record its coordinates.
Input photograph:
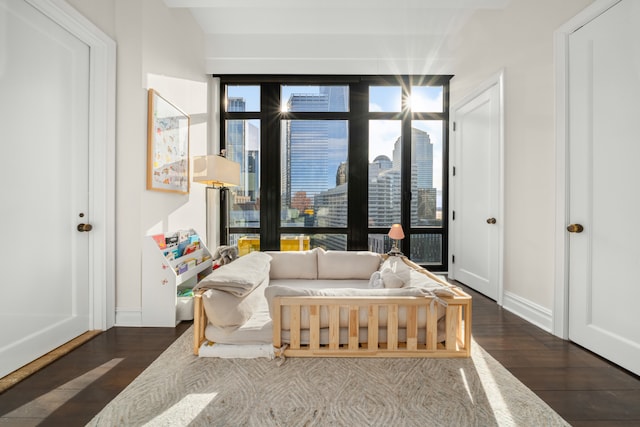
(405, 180)
(357, 224)
(270, 171)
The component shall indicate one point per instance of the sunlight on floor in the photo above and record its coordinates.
(46, 404)
(466, 384)
(491, 388)
(185, 411)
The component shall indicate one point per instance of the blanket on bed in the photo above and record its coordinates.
(239, 277)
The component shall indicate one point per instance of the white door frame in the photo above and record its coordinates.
(102, 102)
(561, 60)
(496, 79)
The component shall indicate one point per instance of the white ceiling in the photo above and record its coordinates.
(340, 35)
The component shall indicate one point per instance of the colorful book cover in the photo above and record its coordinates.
(172, 240)
(159, 238)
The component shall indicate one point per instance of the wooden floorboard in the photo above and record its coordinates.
(74, 388)
(583, 388)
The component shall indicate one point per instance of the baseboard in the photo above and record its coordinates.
(128, 317)
(529, 311)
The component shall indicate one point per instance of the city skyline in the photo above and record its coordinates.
(314, 169)
(382, 133)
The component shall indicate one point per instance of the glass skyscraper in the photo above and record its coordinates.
(243, 147)
(311, 154)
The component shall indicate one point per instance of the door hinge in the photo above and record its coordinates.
(453, 259)
(454, 171)
(453, 215)
(454, 126)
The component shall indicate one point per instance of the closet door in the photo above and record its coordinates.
(476, 226)
(604, 206)
(44, 117)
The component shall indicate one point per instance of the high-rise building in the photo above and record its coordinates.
(236, 104)
(312, 150)
(423, 202)
(243, 147)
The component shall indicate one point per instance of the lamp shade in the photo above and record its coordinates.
(216, 171)
(396, 232)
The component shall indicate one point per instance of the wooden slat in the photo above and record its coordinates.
(334, 326)
(294, 322)
(354, 327)
(277, 323)
(460, 331)
(412, 327)
(314, 327)
(432, 327)
(372, 327)
(451, 326)
(467, 328)
(392, 326)
(199, 322)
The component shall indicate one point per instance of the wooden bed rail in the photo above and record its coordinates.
(457, 327)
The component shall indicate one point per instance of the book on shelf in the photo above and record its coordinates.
(177, 245)
(160, 240)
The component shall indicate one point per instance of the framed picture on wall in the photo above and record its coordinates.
(167, 146)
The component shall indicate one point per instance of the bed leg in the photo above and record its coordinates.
(199, 322)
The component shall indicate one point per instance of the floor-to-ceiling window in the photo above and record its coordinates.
(334, 161)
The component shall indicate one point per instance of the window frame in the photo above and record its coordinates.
(358, 117)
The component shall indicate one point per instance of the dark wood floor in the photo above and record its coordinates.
(583, 388)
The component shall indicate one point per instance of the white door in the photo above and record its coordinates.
(604, 151)
(44, 82)
(475, 182)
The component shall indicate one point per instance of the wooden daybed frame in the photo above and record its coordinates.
(457, 322)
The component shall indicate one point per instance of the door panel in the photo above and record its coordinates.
(604, 69)
(476, 188)
(44, 79)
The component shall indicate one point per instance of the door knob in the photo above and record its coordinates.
(84, 227)
(491, 221)
(575, 228)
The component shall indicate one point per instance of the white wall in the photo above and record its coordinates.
(164, 48)
(157, 48)
(520, 40)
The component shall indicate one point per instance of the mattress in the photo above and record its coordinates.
(257, 330)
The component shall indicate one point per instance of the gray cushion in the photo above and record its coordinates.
(347, 264)
(293, 264)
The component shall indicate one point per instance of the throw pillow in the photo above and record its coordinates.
(347, 264)
(375, 281)
(394, 272)
(294, 264)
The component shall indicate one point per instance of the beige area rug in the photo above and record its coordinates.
(180, 389)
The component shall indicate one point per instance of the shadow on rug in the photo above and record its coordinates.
(181, 389)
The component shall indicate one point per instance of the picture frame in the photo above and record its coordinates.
(167, 146)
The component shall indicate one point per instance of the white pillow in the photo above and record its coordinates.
(342, 265)
(293, 264)
(394, 272)
(375, 281)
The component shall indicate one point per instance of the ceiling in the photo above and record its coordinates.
(348, 34)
